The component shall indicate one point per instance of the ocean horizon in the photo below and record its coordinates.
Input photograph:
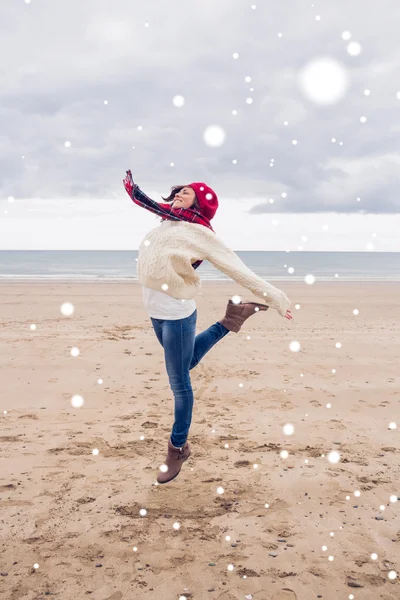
(121, 265)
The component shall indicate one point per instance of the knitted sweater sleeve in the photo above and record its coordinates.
(224, 259)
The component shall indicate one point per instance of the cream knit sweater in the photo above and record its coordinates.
(165, 263)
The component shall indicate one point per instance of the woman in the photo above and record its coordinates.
(167, 262)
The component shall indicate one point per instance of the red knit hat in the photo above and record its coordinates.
(207, 198)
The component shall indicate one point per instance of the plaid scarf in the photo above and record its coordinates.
(165, 210)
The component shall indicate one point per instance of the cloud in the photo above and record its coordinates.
(61, 62)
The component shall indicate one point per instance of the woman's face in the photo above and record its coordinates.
(184, 198)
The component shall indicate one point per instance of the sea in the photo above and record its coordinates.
(121, 265)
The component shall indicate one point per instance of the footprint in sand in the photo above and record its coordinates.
(284, 594)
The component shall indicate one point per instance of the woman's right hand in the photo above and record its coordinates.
(128, 182)
(288, 315)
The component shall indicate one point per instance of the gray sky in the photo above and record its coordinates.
(62, 60)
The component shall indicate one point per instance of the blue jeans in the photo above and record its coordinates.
(183, 350)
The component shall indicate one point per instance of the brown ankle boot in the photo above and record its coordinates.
(236, 314)
(174, 461)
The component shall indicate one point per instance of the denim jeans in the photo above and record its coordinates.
(183, 350)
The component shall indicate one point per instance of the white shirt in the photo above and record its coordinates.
(162, 306)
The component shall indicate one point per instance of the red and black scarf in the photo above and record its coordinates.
(164, 210)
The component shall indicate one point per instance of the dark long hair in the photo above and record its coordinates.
(174, 190)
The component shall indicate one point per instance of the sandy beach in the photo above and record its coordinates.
(74, 480)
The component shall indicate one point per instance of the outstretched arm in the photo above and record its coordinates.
(163, 209)
(227, 261)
